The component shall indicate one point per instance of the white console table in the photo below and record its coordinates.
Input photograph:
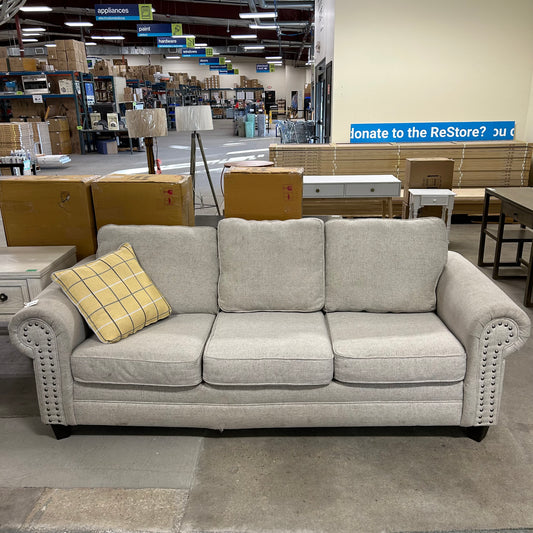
(382, 186)
(419, 198)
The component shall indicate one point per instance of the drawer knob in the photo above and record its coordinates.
(372, 189)
(317, 190)
(3, 297)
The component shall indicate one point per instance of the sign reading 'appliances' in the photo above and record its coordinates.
(159, 30)
(407, 132)
(123, 12)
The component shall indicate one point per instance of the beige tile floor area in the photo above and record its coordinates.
(367, 480)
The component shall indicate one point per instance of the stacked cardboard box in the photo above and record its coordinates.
(477, 164)
(102, 67)
(60, 204)
(143, 199)
(60, 135)
(264, 193)
(212, 82)
(22, 64)
(16, 136)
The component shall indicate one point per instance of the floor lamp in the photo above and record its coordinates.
(194, 119)
(147, 123)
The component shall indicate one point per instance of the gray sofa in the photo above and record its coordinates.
(367, 322)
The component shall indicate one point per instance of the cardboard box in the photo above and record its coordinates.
(3, 51)
(95, 118)
(29, 64)
(4, 67)
(49, 211)
(16, 64)
(66, 87)
(263, 193)
(107, 147)
(112, 121)
(58, 124)
(428, 173)
(158, 199)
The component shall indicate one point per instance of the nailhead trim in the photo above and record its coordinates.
(39, 336)
(497, 334)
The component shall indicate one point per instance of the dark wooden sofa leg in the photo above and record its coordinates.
(477, 433)
(61, 432)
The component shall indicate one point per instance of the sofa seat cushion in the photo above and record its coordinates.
(394, 348)
(168, 353)
(269, 349)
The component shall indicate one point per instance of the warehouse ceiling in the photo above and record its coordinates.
(210, 21)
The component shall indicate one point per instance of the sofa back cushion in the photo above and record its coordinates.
(182, 261)
(271, 265)
(384, 265)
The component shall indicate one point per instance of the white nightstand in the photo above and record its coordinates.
(25, 271)
(419, 198)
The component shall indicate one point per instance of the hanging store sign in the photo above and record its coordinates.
(220, 68)
(159, 30)
(197, 52)
(262, 67)
(212, 61)
(175, 42)
(432, 132)
(233, 71)
(123, 12)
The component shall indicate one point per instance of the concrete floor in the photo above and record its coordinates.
(362, 480)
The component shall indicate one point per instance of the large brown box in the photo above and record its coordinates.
(16, 64)
(49, 211)
(264, 193)
(159, 199)
(4, 67)
(60, 142)
(58, 124)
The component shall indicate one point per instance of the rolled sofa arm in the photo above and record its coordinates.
(48, 332)
(489, 325)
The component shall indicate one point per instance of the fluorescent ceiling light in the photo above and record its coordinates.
(50, 45)
(107, 37)
(172, 57)
(35, 9)
(263, 27)
(31, 34)
(244, 36)
(200, 45)
(78, 24)
(229, 61)
(24, 30)
(273, 57)
(254, 47)
(275, 62)
(86, 44)
(264, 15)
(30, 40)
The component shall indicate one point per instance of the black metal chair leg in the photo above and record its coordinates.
(477, 433)
(61, 432)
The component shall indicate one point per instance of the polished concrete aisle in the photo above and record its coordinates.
(367, 480)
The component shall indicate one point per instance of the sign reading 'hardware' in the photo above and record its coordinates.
(432, 132)
(123, 12)
(175, 42)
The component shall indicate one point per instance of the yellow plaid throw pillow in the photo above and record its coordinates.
(114, 294)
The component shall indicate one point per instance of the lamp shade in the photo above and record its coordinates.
(146, 122)
(194, 118)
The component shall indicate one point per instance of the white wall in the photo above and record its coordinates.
(283, 80)
(428, 60)
(324, 30)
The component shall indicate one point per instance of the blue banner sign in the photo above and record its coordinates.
(123, 11)
(175, 42)
(411, 132)
(233, 71)
(262, 67)
(197, 52)
(159, 30)
(220, 68)
(212, 61)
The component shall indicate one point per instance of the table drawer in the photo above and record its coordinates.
(13, 294)
(523, 216)
(433, 200)
(323, 190)
(372, 189)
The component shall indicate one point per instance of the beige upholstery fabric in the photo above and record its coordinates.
(168, 353)
(268, 349)
(384, 265)
(394, 348)
(182, 261)
(271, 265)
